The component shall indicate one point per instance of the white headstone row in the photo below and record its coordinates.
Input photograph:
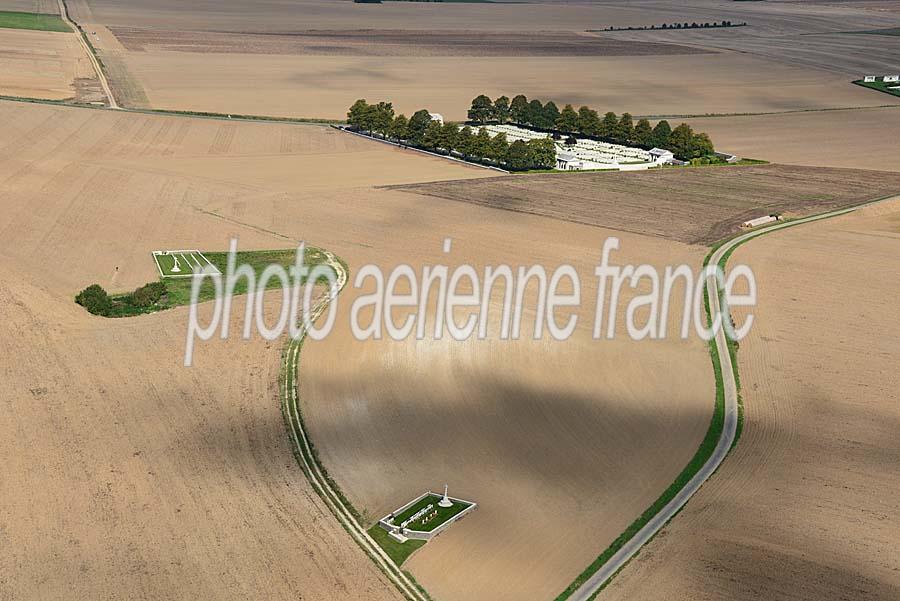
(885, 79)
(418, 514)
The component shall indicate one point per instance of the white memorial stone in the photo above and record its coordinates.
(445, 502)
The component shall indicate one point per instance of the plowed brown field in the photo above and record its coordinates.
(697, 206)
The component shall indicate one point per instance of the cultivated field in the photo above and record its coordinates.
(47, 7)
(45, 64)
(804, 508)
(562, 445)
(199, 452)
(390, 42)
(697, 205)
(313, 59)
(123, 470)
(858, 139)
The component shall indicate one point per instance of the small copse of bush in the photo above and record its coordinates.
(98, 302)
(148, 294)
(95, 299)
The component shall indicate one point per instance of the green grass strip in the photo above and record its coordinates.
(399, 552)
(34, 21)
(880, 86)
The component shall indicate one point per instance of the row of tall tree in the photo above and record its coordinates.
(684, 143)
(421, 131)
(684, 25)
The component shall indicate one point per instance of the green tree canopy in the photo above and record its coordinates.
(681, 142)
(499, 147)
(481, 145)
(431, 138)
(609, 125)
(541, 153)
(536, 114)
(625, 129)
(702, 145)
(588, 121)
(382, 118)
(449, 136)
(518, 109)
(643, 134)
(464, 142)
(360, 115)
(501, 109)
(661, 133)
(517, 156)
(418, 123)
(399, 128)
(567, 120)
(482, 109)
(551, 114)
(95, 299)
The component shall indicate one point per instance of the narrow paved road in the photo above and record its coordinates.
(617, 561)
(64, 14)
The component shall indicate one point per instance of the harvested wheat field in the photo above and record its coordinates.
(47, 7)
(562, 444)
(123, 470)
(45, 64)
(314, 59)
(183, 479)
(860, 139)
(360, 398)
(805, 506)
(696, 206)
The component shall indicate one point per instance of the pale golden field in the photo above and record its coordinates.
(49, 7)
(124, 472)
(562, 444)
(805, 506)
(170, 451)
(860, 138)
(325, 86)
(441, 55)
(45, 64)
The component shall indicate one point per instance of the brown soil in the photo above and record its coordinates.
(372, 42)
(693, 205)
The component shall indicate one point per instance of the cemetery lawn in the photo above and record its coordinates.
(443, 515)
(399, 552)
(880, 86)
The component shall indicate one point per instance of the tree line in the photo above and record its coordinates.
(475, 143)
(682, 141)
(98, 302)
(468, 143)
(685, 25)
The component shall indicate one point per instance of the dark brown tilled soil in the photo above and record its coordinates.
(693, 205)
